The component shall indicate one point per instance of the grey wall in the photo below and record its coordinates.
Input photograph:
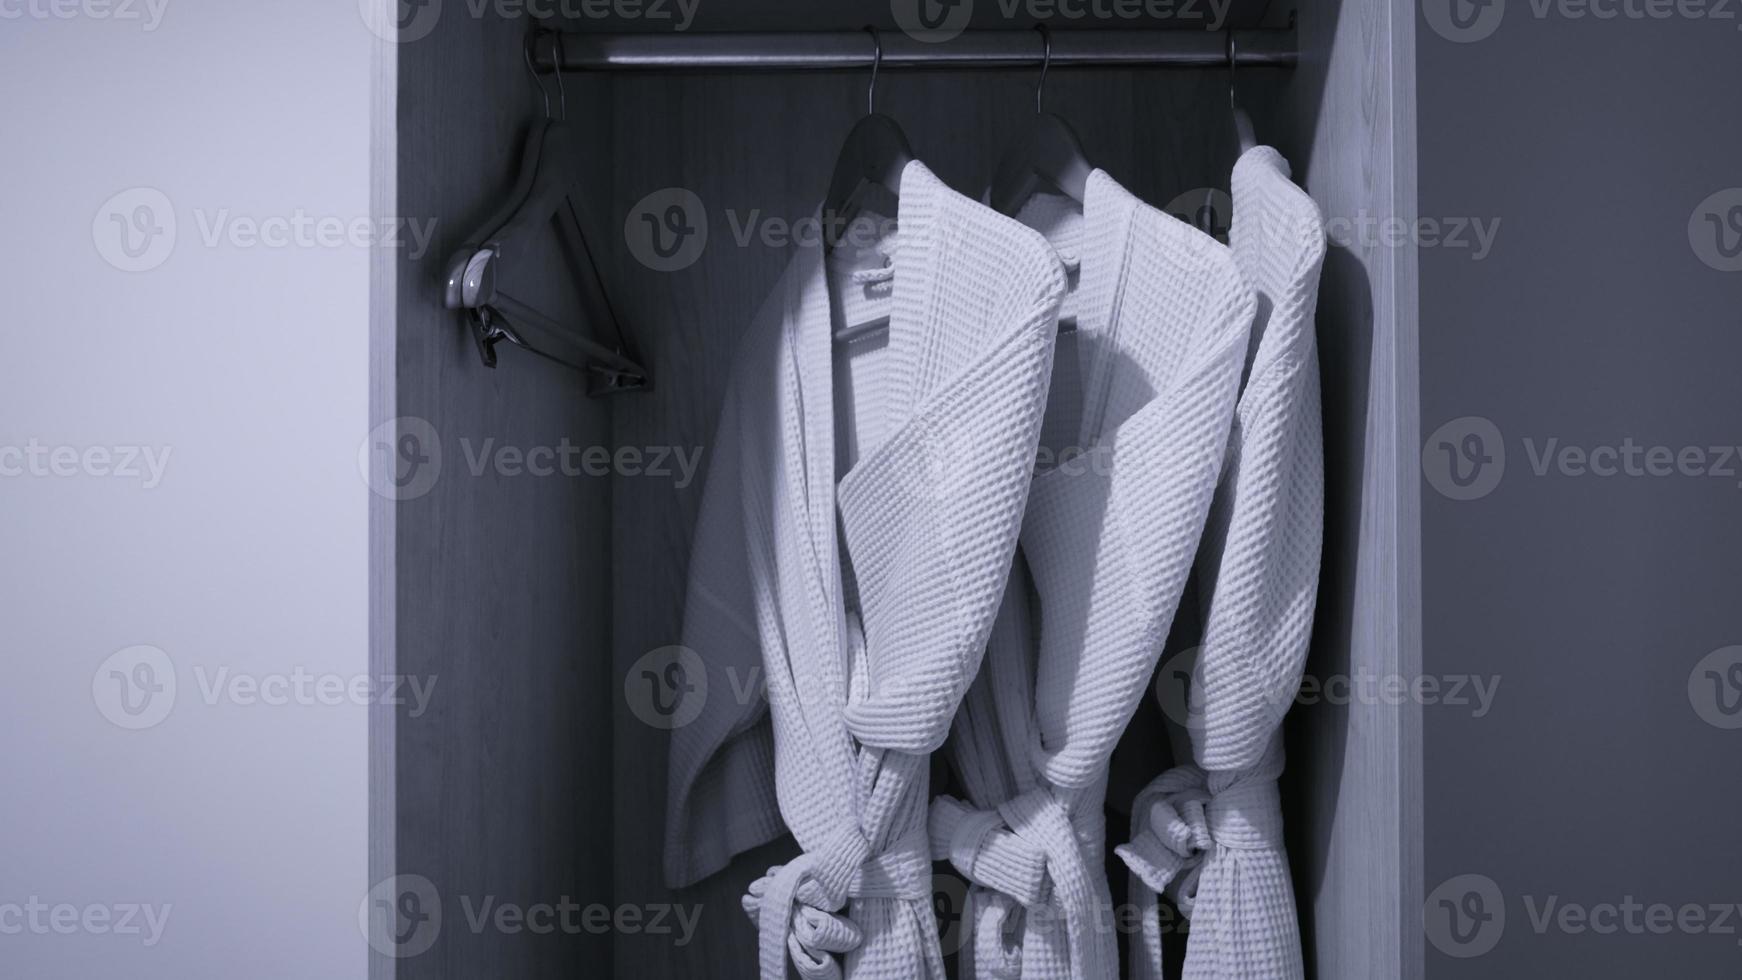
(237, 811)
(1595, 779)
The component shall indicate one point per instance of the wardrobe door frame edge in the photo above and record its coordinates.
(383, 511)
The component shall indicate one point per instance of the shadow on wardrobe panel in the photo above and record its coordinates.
(502, 574)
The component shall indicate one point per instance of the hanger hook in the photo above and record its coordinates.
(876, 61)
(557, 53)
(1045, 63)
(532, 70)
(1233, 59)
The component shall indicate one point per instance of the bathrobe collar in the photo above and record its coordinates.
(871, 597)
(1162, 321)
(1209, 834)
(966, 305)
(903, 559)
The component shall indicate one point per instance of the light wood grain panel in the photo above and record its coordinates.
(1353, 789)
(383, 514)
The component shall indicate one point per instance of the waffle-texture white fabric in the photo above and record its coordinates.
(865, 601)
(1162, 323)
(1210, 834)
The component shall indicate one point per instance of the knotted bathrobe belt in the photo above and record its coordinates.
(797, 906)
(1027, 851)
(1178, 828)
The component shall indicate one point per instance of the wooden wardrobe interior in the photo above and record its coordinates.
(530, 779)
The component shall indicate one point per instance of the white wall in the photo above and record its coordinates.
(248, 366)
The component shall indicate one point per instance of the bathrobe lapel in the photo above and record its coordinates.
(1210, 833)
(1108, 537)
(870, 598)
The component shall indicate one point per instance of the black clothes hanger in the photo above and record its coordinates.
(1242, 122)
(1048, 155)
(544, 189)
(873, 156)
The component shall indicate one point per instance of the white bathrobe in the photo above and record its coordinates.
(864, 599)
(1143, 395)
(1210, 834)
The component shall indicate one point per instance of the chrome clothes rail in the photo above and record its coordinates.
(826, 50)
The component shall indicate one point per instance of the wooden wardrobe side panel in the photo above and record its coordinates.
(383, 510)
(1353, 785)
(502, 575)
(757, 152)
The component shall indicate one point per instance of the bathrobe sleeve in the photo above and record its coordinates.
(1209, 834)
(1258, 568)
(721, 798)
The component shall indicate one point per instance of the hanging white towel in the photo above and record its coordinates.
(865, 601)
(1143, 397)
(1210, 833)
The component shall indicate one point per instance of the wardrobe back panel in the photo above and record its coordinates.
(759, 149)
(502, 576)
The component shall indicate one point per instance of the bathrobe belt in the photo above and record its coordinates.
(807, 894)
(1184, 833)
(1031, 849)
